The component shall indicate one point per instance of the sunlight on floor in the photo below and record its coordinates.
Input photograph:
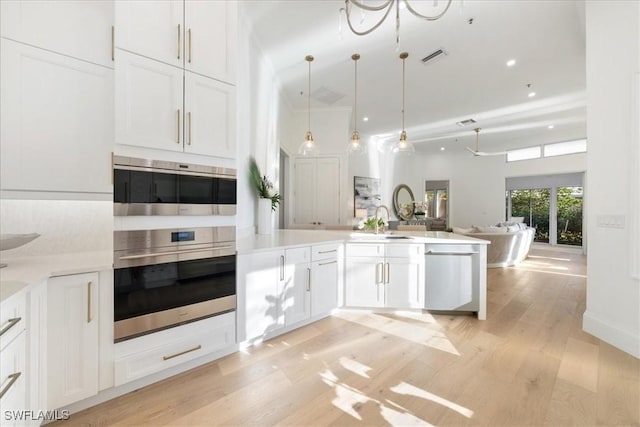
(404, 388)
(355, 366)
(524, 268)
(548, 257)
(429, 335)
(413, 315)
(396, 418)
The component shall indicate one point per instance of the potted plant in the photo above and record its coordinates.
(419, 209)
(369, 224)
(269, 199)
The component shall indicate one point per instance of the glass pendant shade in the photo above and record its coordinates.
(308, 146)
(356, 146)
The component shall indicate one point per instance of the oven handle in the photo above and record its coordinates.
(127, 257)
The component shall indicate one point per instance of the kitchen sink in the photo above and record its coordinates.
(371, 236)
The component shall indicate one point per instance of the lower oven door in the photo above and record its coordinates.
(152, 297)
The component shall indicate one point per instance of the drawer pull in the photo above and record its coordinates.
(327, 252)
(182, 352)
(450, 253)
(308, 280)
(12, 379)
(386, 274)
(10, 324)
(327, 263)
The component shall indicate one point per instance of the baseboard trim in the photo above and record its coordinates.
(611, 334)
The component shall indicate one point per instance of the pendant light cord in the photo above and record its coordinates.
(355, 98)
(309, 97)
(403, 61)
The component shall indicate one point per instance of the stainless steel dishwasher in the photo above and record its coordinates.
(449, 277)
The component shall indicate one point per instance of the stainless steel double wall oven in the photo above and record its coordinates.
(167, 277)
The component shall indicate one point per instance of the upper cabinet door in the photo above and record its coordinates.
(152, 28)
(149, 110)
(210, 38)
(210, 108)
(78, 28)
(57, 122)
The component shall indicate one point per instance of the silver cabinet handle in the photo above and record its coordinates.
(281, 267)
(327, 252)
(89, 302)
(189, 127)
(10, 324)
(379, 273)
(327, 263)
(386, 274)
(113, 43)
(196, 348)
(308, 280)
(189, 34)
(179, 40)
(450, 253)
(178, 127)
(12, 379)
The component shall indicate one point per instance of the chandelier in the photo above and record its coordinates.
(387, 6)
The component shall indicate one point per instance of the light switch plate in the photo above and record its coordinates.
(610, 221)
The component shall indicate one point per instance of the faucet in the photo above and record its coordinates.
(376, 216)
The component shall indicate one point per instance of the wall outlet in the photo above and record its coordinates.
(610, 221)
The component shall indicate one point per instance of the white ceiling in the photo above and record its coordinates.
(545, 37)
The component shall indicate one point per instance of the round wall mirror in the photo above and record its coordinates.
(403, 202)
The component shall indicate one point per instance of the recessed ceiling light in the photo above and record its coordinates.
(550, 127)
(511, 63)
(441, 148)
(531, 94)
(365, 119)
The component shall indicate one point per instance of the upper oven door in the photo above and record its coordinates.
(137, 192)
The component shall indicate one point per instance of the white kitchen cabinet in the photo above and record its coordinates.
(72, 338)
(149, 103)
(139, 357)
(46, 24)
(260, 281)
(316, 192)
(13, 357)
(325, 278)
(210, 116)
(296, 295)
(385, 275)
(57, 122)
(151, 28)
(164, 107)
(210, 38)
(199, 36)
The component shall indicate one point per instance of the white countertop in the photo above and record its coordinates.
(24, 271)
(284, 238)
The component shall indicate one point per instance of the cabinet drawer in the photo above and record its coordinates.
(328, 251)
(153, 353)
(298, 255)
(12, 318)
(450, 249)
(12, 375)
(365, 249)
(394, 250)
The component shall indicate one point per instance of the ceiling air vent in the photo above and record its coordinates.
(440, 53)
(466, 122)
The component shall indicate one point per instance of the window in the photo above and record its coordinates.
(568, 147)
(523, 154)
(534, 205)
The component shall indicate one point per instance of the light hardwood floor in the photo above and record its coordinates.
(530, 363)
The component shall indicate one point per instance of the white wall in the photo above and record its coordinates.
(613, 61)
(261, 121)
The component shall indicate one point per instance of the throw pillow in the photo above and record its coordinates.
(513, 228)
(516, 219)
(490, 229)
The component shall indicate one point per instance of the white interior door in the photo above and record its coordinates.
(328, 191)
(305, 192)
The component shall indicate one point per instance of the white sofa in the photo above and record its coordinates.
(506, 248)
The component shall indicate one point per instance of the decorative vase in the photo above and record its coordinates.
(265, 215)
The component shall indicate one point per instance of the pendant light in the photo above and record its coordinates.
(355, 145)
(403, 146)
(308, 146)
